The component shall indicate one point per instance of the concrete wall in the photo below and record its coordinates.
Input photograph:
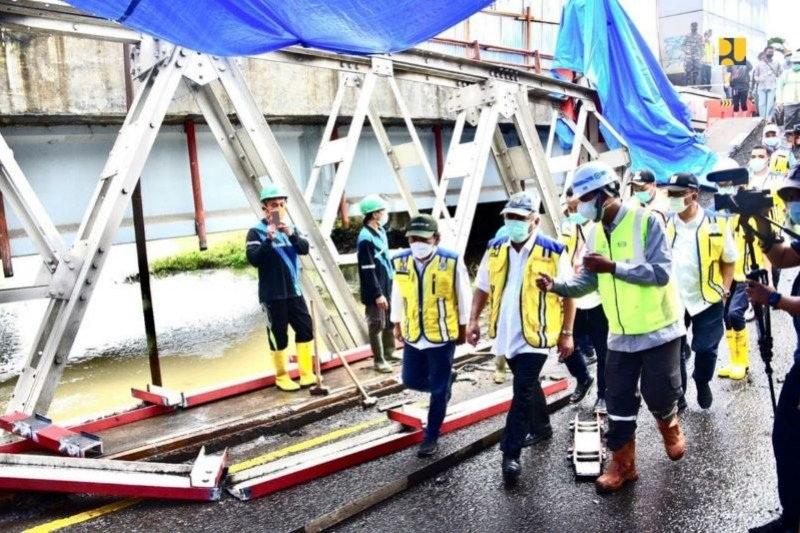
(64, 79)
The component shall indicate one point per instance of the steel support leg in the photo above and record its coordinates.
(75, 277)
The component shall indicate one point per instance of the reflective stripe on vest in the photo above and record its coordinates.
(280, 243)
(541, 313)
(631, 309)
(710, 244)
(437, 317)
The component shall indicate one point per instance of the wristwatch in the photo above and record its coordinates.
(566, 333)
(773, 299)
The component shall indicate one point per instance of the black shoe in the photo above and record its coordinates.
(776, 526)
(580, 390)
(704, 396)
(682, 404)
(511, 469)
(428, 448)
(539, 436)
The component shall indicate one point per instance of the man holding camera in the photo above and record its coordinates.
(703, 267)
(629, 262)
(786, 428)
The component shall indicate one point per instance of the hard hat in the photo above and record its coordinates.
(592, 176)
(725, 163)
(370, 204)
(771, 128)
(522, 203)
(272, 191)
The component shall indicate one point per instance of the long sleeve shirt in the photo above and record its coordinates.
(766, 74)
(655, 270)
(277, 262)
(463, 297)
(374, 265)
(787, 91)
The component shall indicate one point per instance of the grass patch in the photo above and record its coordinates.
(229, 253)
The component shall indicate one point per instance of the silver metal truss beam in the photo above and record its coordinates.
(76, 269)
(341, 152)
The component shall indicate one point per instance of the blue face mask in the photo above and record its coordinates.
(518, 230)
(772, 142)
(643, 196)
(793, 208)
(577, 218)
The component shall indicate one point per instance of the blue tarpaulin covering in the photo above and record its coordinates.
(598, 39)
(246, 27)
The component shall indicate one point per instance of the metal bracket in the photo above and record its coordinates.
(148, 53)
(66, 275)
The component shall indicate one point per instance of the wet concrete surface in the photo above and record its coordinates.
(726, 482)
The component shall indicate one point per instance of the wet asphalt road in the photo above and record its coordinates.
(726, 482)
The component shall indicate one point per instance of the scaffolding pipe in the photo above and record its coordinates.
(5, 242)
(197, 191)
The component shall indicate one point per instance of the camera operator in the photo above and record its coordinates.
(786, 428)
(761, 177)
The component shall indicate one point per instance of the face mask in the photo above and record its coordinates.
(796, 67)
(772, 142)
(726, 190)
(794, 211)
(757, 165)
(588, 210)
(677, 205)
(384, 219)
(518, 230)
(577, 218)
(421, 250)
(643, 196)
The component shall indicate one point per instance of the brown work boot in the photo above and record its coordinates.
(674, 442)
(621, 470)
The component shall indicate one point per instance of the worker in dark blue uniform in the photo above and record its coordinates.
(786, 428)
(375, 273)
(274, 247)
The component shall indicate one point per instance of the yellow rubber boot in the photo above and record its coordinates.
(305, 363)
(282, 379)
(500, 369)
(733, 346)
(742, 362)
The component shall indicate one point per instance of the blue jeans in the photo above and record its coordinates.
(429, 370)
(766, 102)
(785, 436)
(736, 306)
(707, 331)
(528, 412)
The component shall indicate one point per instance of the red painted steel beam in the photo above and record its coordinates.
(197, 191)
(370, 451)
(5, 242)
(109, 489)
(439, 144)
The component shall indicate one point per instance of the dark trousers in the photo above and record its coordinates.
(659, 370)
(593, 323)
(708, 327)
(785, 439)
(739, 99)
(528, 412)
(284, 313)
(429, 370)
(736, 306)
(381, 332)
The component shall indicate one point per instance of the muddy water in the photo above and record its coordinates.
(209, 324)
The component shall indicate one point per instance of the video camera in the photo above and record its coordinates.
(745, 201)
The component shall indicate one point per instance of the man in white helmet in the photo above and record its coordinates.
(628, 260)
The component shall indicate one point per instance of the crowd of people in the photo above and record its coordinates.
(773, 84)
(642, 277)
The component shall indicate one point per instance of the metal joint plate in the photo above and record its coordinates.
(66, 275)
(382, 66)
(149, 53)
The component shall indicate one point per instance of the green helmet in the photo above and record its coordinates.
(370, 204)
(272, 191)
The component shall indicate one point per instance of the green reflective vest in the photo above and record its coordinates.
(631, 309)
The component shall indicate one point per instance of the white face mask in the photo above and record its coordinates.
(588, 210)
(677, 205)
(384, 219)
(757, 165)
(421, 250)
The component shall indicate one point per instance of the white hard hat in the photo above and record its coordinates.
(725, 163)
(592, 176)
(771, 128)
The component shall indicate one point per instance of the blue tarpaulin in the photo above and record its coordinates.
(598, 39)
(247, 27)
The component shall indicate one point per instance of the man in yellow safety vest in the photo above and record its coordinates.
(523, 321)
(628, 260)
